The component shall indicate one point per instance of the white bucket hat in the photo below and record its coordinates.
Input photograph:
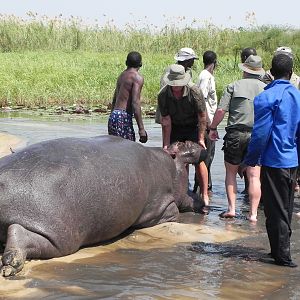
(177, 76)
(185, 54)
(284, 50)
(252, 65)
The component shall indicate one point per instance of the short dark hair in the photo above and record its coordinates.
(282, 65)
(246, 52)
(134, 60)
(188, 63)
(209, 57)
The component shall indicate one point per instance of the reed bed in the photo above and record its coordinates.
(57, 61)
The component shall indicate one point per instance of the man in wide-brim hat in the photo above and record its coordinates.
(184, 57)
(237, 100)
(182, 107)
(253, 65)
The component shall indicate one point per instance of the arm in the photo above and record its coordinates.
(136, 104)
(166, 126)
(218, 117)
(201, 128)
(221, 111)
(201, 113)
(166, 122)
(114, 100)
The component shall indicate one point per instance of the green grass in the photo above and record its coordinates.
(46, 62)
(47, 78)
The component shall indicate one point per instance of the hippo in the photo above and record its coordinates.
(60, 195)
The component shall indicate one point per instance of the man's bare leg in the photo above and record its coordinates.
(231, 188)
(202, 174)
(254, 191)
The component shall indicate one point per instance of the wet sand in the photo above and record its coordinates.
(163, 236)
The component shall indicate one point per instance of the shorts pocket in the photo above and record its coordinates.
(231, 141)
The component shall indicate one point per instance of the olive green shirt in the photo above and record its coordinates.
(237, 100)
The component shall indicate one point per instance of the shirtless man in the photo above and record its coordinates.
(126, 101)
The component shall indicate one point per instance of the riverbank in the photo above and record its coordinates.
(75, 110)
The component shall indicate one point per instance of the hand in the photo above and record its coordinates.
(213, 135)
(143, 136)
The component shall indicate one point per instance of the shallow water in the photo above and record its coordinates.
(202, 257)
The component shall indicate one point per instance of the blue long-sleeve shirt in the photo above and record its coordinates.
(276, 131)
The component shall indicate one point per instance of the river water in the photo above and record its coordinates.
(201, 257)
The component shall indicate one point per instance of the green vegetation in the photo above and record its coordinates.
(46, 62)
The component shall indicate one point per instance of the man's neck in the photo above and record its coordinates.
(210, 68)
(178, 94)
(132, 69)
(282, 78)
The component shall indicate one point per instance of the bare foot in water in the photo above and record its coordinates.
(252, 218)
(204, 210)
(226, 215)
(206, 201)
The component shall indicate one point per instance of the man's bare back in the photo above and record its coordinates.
(127, 98)
(128, 90)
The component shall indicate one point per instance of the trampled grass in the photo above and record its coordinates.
(45, 62)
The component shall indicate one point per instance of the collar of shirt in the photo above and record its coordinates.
(276, 82)
(185, 91)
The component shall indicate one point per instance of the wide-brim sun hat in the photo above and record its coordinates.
(252, 65)
(185, 54)
(177, 76)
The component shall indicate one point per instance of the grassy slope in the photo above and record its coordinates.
(44, 61)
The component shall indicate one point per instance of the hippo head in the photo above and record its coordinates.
(188, 152)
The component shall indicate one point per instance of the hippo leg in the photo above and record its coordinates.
(22, 243)
(150, 217)
(188, 204)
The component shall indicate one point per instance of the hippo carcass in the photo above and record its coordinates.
(59, 195)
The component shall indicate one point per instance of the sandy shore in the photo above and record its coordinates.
(10, 143)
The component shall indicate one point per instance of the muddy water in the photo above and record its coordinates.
(201, 257)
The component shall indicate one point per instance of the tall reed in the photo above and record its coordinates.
(46, 61)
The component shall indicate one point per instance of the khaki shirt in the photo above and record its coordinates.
(237, 100)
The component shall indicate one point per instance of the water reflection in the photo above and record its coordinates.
(202, 257)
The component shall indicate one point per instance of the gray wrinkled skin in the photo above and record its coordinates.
(59, 195)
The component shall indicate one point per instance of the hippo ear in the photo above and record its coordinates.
(174, 149)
